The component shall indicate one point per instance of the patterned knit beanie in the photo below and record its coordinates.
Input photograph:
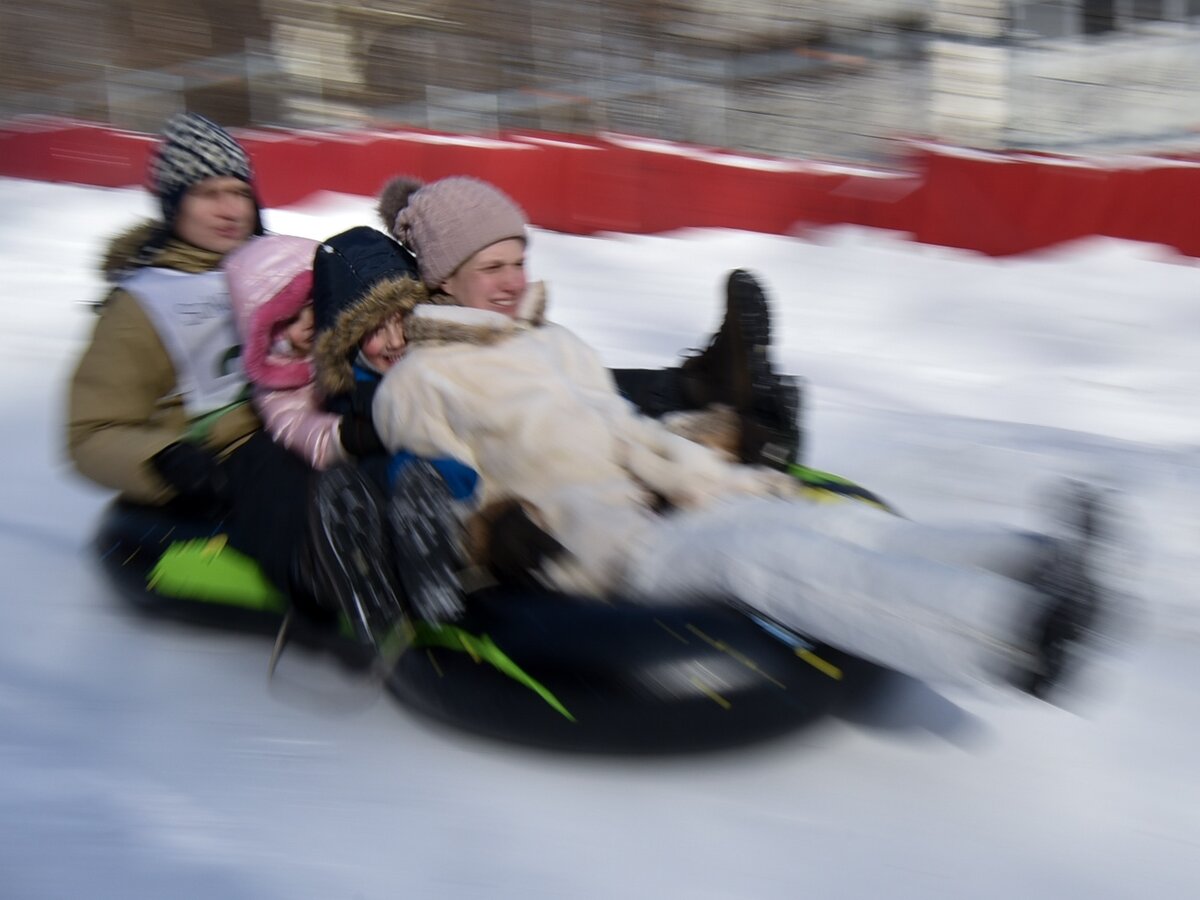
(447, 222)
(191, 149)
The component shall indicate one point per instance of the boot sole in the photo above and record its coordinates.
(773, 400)
(753, 313)
(1080, 605)
(349, 544)
(426, 545)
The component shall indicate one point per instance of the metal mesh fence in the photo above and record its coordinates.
(838, 79)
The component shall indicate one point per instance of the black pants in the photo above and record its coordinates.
(653, 391)
(269, 519)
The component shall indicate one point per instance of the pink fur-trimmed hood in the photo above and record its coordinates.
(270, 281)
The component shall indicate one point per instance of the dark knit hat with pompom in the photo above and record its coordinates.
(361, 278)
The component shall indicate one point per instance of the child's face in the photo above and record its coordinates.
(299, 331)
(384, 346)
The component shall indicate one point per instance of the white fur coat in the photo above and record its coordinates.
(532, 410)
(530, 407)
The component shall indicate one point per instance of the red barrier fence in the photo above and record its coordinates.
(1013, 203)
(997, 204)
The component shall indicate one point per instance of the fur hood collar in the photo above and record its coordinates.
(438, 322)
(336, 347)
(151, 244)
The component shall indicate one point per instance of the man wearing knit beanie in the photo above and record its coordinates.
(193, 149)
(157, 408)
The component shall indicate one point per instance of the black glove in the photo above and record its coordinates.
(194, 472)
(359, 437)
(516, 546)
(362, 396)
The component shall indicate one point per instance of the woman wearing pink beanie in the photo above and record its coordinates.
(445, 222)
(640, 512)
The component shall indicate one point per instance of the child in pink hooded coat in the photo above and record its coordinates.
(270, 285)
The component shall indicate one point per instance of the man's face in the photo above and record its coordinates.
(494, 278)
(216, 214)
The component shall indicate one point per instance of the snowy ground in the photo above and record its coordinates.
(146, 760)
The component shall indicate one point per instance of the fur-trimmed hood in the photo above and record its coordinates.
(336, 347)
(150, 243)
(361, 278)
(439, 322)
(270, 281)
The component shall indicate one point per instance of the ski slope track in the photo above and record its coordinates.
(143, 759)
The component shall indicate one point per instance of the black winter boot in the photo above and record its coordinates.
(352, 552)
(771, 433)
(426, 542)
(308, 588)
(722, 372)
(735, 369)
(1075, 604)
(313, 614)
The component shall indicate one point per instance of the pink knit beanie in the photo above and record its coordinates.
(447, 222)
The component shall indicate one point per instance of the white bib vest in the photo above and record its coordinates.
(193, 318)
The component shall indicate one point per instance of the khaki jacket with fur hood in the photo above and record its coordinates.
(123, 406)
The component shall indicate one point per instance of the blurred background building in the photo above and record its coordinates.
(834, 79)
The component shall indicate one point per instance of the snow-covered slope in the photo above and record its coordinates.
(143, 760)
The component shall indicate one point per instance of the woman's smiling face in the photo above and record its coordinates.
(494, 278)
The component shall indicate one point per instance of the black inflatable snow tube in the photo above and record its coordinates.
(540, 668)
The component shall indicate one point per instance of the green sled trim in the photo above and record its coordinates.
(209, 570)
(836, 485)
(482, 648)
(817, 478)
